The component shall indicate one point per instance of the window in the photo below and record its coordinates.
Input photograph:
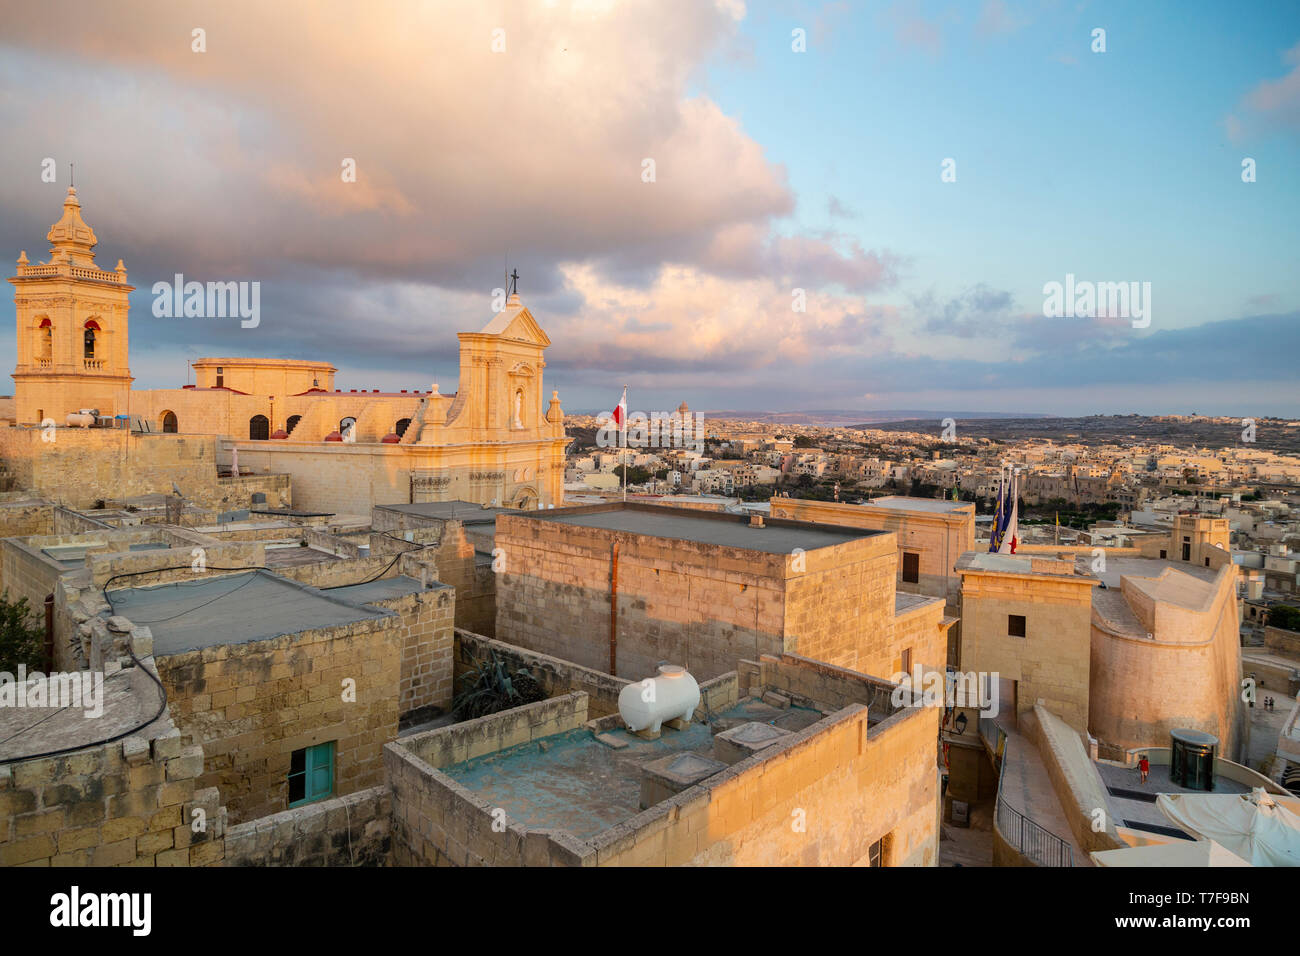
(292, 423)
(311, 774)
(907, 660)
(1016, 625)
(259, 428)
(875, 855)
(1187, 552)
(169, 422)
(1163, 553)
(345, 424)
(221, 376)
(89, 338)
(911, 567)
(402, 425)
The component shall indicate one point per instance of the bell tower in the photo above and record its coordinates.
(72, 327)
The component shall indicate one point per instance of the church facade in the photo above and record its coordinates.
(496, 440)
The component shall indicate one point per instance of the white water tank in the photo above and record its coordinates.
(646, 704)
(80, 419)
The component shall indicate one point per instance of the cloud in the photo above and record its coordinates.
(997, 19)
(912, 29)
(838, 209)
(462, 155)
(1271, 104)
(978, 311)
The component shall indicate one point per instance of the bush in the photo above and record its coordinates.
(487, 688)
(22, 636)
(1284, 616)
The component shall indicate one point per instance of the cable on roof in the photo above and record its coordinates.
(161, 689)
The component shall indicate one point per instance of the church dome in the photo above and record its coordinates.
(392, 438)
(333, 436)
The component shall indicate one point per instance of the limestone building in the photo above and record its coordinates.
(497, 439)
(72, 327)
(621, 587)
(1121, 646)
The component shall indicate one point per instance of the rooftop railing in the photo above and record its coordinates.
(76, 272)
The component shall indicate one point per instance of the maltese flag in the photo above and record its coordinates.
(620, 412)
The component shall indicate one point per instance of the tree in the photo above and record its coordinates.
(636, 475)
(22, 636)
(803, 441)
(1284, 616)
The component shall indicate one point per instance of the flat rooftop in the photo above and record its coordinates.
(382, 589)
(455, 510)
(296, 555)
(777, 536)
(1132, 803)
(581, 785)
(129, 698)
(934, 505)
(232, 609)
(1119, 567)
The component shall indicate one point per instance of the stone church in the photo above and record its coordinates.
(493, 441)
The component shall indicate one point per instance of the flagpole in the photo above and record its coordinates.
(623, 434)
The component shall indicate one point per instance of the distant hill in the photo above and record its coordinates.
(1270, 434)
(850, 417)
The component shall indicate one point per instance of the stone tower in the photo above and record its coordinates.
(72, 327)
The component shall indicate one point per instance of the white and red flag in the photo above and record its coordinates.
(620, 413)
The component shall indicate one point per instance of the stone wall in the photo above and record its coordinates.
(329, 574)
(129, 802)
(232, 494)
(427, 618)
(938, 538)
(437, 822)
(252, 705)
(83, 465)
(1079, 787)
(352, 830)
(1052, 661)
(557, 677)
(27, 573)
(1282, 642)
(823, 796)
(452, 554)
(699, 605)
(26, 517)
(1180, 667)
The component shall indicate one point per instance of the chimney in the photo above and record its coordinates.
(756, 521)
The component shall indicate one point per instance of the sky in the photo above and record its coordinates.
(772, 206)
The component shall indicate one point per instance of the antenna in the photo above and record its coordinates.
(73, 175)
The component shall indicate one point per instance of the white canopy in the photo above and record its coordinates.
(1255, 826)
(1173, 853)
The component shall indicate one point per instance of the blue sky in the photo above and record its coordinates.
(1114, 164)
(776, 171)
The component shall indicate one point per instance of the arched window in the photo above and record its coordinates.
(259, 429)
(91, 331)
(402, 425)
(45, 340)
(345, 424)
(169, 422)
(292, 423)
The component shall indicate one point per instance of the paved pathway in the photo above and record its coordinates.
(1027, 788)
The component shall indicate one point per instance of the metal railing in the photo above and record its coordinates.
(1021, 833)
